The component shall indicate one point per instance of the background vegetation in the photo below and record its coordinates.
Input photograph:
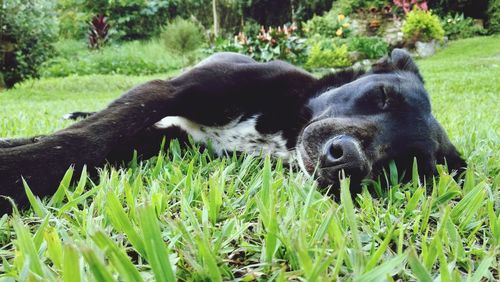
(263, 29)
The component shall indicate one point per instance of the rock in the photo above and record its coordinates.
(426, 49)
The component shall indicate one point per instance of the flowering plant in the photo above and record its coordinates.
(270, 44)
(328, 25)
(408, 5)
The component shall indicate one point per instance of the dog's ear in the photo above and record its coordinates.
(400, 60)
(403, 61)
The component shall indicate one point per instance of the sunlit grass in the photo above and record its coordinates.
(190, 215)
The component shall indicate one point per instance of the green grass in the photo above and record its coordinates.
(201, 218)
(128, 58)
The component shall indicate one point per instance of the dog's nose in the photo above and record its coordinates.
(341, 151)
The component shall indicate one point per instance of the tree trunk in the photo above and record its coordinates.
(216, 18)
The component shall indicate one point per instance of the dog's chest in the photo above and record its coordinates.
(236, 136)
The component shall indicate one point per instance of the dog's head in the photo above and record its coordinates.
(382, 116)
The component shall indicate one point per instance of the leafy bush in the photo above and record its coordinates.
(183, 36)
(131, 58)
(132, 19)
(370, 47)
(457, 26)
(27, 31)
(328, 25)
(494, 17)
(73, 20)
(251, 28)
(274, 43)
(324, 54)
(422, 26)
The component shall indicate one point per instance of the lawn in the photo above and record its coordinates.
(185, 214)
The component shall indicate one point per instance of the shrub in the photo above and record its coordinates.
(370, 47)
(328, 25)
(457, 26)
(182, 36)
(422, 26)
(251, 28)
(27, 31)
(494, 17)
(324, 55)
(73, 21)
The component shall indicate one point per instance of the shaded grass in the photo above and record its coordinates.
(245, 218)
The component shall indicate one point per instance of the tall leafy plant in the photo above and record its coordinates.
(98, 32)
(28, 29)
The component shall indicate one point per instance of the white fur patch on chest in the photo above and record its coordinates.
(236, 136)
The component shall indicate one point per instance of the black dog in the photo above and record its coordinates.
(352, 121)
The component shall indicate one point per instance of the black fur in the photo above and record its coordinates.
(325, 118)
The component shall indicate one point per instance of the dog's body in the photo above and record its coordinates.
(350, 121)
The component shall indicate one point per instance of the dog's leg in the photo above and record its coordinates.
(14, 142)
(42, 164)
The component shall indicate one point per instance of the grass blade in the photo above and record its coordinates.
(418, 268)
(380, 272)
(96, 265)
(156, 249)
(71, 270)
(117, 257)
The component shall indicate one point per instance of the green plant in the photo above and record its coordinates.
(251, 28)
(457, 26)
(28, 29)
(183, 36)
(73, 20)
(330, 24)
(98, 32)
(281, 43)
(324, 55)
(422, 26)
(132, 19)
(494, 17)
(370, 47)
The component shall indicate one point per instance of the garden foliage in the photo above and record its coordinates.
(98, 32)
(183, 36)
(371, 47)
(494, 16)
(326, 54)
(282, 43)
(457, 26)
(422, 26)
(28, 30)
(330, 25)
(131, 19)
